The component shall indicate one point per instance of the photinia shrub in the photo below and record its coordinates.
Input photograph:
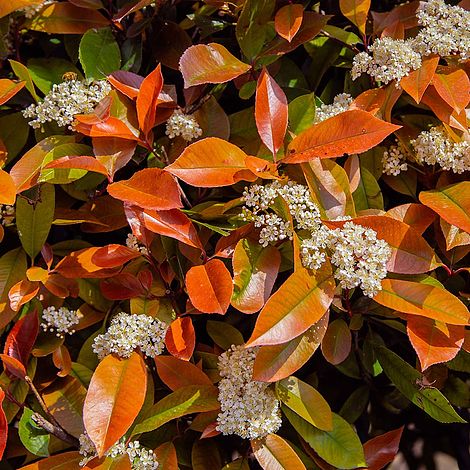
(234, 235)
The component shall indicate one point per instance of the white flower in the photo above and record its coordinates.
(133, 243)
(394, 159)
(128, 332)
(184, 125)
(340, 104)
(360, 257)
(248, 408)
(140, 457)
(65, 100)
(7, 214)
(61, 320)
(434, 147)
(391, 59)
(313, 249)
(446, 30)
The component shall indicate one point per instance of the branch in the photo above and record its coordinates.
(56, 431)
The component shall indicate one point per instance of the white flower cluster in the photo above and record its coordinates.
(184, 125)
(62, 320)
(140, 457)
(340, 104)
(391, 59)
(359, 256)
(32, 10)
(434, 147)
(249, 408)
(394, 159)
(128, 332)
(446, 30)
(65, 100)
(7, 214)
(133, 243)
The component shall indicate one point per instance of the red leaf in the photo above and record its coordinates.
(271, 112)
(80, 162)
(288, 20)
(381, 450)
(433, 341)
(13, 366)
(176, 373)
(336, 344)
(93, 126)
(417, 81)
(453, 85)
(127, 83)
(122, 286)
(211, 162)
(113, 153)
(8, 89)
(172, 223)
(151, 188)
(7, 188)
(180, 338)
(147, 100)
(210, 63)
(114, 398)
(3, 425)
(353, 131)
(210, 287)
(21, 338)
(166, 456)
(21, 293)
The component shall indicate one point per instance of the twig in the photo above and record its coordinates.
(56, 431)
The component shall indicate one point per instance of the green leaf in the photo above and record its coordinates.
(14, 131)
(368, 194)
(33, 437)
(340, 447)
(306, 402)
(34, 220)
(186, 400)
(23, 74)
(407, 380)
(302, 113)
(99, 53)
(223, 334)
(48, 72)
(355, 405)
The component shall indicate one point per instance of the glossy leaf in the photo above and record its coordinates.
(211, 162)
(271, 112)
(453, 85)
(176, 373)
(8, 89)
(274, 453)
(452, 203)
(407, 380)
(434, 341)
(7, 188)
(381, 450)
(186, 400)
(166, 456)
(64, 461)
(147, 100)
(108, 412)
(180, 338)
(288, 20)
(425, 300)
(354, 131)
(210, 287)
(255, 269)
(356, 11)
(417, 81)
(32, 436)
(336, 344)
(3, 425)
(415, 215)
(210, 63)
(299, 303)
(21, 338)
(14, 367)
(7, 8)
(80, 162)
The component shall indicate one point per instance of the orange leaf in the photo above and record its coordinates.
(13, 366)
(151, 188)
(114, 398)
(210, 287)
(172, 223)
(65, 461)
(415, 215)
(353, 131)
(255, 269)
(211, 162)
(95, 262)
(453, 86)
(65, 18)
(356, 12)
(3, 425)
(336, 344)
(127, 83)
(113, 152)
(110, 126)
(121, 462)
(62, 360)
(210, 63)
(80, 162)
(271, 112)
(7, 188)
(411, 254)
(288, 20)
(382, 449)
(277, 362)
(434, 341)
(274, 453)
(176, 373)
(7, 7)
(298, 304)
(166, 456)
(180, 338)
(417, 81)
(424, 300)
(21, 293)
(8, 89)
(452, 203)
(147, 100)
(370, 100)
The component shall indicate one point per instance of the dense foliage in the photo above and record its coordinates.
(234, 235)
